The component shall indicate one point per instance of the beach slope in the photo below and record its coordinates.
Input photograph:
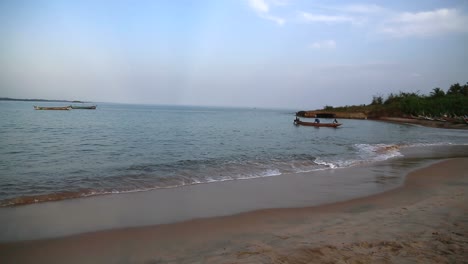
(423, 221)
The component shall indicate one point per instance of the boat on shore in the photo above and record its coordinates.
(52, 107)
(92, 107)
(314, 124)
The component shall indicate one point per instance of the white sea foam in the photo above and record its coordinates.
(378, 152)
(265, 173)
(431, 144)
(326, 164)
(270, 172)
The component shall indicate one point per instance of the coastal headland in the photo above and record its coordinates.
(332, 114)
(438, 109)
(423, 221)
(401, 120)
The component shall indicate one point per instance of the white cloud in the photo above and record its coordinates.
(324, 18)
(428, 23)
(259, 6)
(262, 8)
(329, 19)
(356, 14)
(280, 21)
(280, 2)
(325, 44)
(360, 8)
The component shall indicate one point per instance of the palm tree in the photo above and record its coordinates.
(437, 92)
(455, 89)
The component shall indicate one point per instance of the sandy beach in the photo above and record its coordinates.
(423, 221)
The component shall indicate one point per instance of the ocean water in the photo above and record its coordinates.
(54, 155)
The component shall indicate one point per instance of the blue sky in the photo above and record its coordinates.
(254, 53)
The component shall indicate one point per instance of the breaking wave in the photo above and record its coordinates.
(145, 177)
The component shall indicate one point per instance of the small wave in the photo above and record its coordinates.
(326, 165)
(379, 152)
(432, 144)
(146, 177)
(140, 183)
(266, 173)
(58, 196)
(23, 200)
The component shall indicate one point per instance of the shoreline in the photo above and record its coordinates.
(19, 201)
(391, 226)
(165, 206)
(426, 123)
(114, 211)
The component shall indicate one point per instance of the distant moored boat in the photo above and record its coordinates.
(52, 107)
(298, 122)
(83, 107)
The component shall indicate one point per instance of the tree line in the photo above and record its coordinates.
(438, 103)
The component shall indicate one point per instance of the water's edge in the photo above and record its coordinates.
(63, 218)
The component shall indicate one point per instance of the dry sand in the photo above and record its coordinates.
(424, 221)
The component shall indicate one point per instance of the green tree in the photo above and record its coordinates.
(455, 89)
(465, 89)
(437, 92)
(377, 100)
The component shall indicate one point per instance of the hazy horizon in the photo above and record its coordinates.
(240, 53)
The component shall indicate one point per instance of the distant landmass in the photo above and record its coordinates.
(37, 100)
(437, 105)
(438, 109)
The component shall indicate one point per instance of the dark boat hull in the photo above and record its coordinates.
(317, 124)
(52, 108)
(83, 107)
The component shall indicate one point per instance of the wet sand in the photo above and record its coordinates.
(423, 221)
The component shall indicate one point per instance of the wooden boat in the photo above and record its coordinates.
(298, 122)
(52, 107)
(83, 107)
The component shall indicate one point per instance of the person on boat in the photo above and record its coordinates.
(317, 120)
(296, 120)
(335, 121)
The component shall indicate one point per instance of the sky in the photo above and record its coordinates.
(295, 54)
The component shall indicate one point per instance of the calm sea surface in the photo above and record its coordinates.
(53, 155)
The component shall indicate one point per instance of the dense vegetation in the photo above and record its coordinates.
(438, 103)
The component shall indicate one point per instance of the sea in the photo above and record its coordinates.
(120, 148)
